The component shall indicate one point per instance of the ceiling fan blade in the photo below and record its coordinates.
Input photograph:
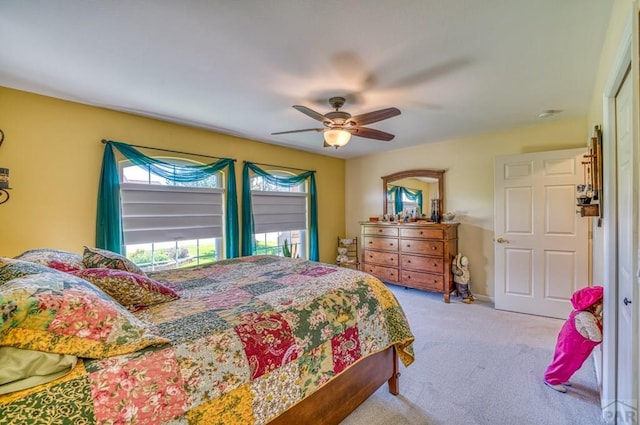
(370, 133)
(298, 131)
(375, 116)
(436, 71)
(311, 113)
(352, 69)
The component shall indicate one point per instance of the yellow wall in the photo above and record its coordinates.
(468, 182)
(52, 148)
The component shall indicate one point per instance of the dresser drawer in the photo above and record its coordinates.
(382, 258)
(425, 247)
(381, 230)
(385, 274)
(431, 282)
(426, 264)
(422, 232)
(387, 244)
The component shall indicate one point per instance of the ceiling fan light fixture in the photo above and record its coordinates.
(339, 126)
(337, 137)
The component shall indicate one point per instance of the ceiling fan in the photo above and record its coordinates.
(339, 126)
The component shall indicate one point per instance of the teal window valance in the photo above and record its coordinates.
(248, 228)
(401, 193)
(109, 234)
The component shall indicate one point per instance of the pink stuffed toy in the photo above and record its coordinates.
(580, 334)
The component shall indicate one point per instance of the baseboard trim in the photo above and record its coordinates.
(484, 298)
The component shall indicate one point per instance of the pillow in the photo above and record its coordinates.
(56, 312)
(23, 369)
(11, 269)
(55, 258)
(96, 258)
(63, 267)
(132, 290)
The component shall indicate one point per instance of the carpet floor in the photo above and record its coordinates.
(479, 366)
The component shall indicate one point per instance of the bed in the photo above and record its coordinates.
(253, 340)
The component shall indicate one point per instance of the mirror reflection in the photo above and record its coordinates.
(420, 192)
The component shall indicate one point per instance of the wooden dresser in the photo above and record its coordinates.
(416, 255)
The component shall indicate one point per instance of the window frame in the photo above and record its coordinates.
(218, 181)
(301, 239)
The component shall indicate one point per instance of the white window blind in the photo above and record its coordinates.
(279, 211)
(159, 213)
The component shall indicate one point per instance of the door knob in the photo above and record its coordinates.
(502, 240)
(626, 301)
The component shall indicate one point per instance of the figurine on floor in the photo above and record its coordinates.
(342, 256)
(579, 335)
(461, 277)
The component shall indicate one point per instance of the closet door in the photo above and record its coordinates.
(627, 247)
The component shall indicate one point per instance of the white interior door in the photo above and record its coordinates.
(541, 245)
(627, 243)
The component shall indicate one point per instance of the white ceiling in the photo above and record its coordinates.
(453, 67)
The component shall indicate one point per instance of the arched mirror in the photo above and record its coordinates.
(414, 189)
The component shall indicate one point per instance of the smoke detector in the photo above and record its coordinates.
(548, 112)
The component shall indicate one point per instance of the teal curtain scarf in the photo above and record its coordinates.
(109, 218)
(248, 241)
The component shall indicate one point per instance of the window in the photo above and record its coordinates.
(409, 204)
(279, 215)
(391, 202)
(168, 224)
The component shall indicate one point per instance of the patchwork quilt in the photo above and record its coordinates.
(250, 337)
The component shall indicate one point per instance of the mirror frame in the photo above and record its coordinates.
(434, 174)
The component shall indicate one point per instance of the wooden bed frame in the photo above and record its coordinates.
(342, 395)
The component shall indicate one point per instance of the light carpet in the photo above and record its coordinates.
(479, 366)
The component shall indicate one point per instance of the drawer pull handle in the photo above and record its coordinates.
(408, 245)
(434, 248)
(435, 264)
(370, 242)
(408, 261)
(391, 258)
(421, 233)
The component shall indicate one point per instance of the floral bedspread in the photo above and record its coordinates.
(250, 338)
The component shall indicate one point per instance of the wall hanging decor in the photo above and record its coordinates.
(4, 178)
(589, 193)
